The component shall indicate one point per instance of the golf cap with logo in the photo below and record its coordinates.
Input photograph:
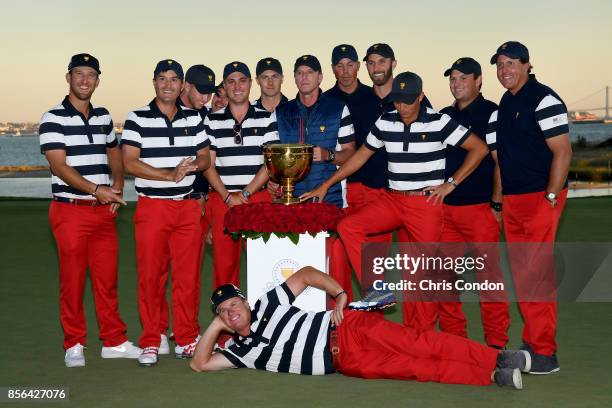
(344, 51)
(202, 77)
(309, 60)
(511, 49)
(465, 65)
(382, 49)
(169, 65)
(268, 63)
(236, 66)
(84, 60)
(224, 292)
(406, 88)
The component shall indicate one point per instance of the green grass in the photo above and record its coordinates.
(32, 355)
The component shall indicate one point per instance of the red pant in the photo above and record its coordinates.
(372, 347)
(165, 309)
(86, 237)
(226, 251)
(476, 224)
(168, 229)
(530, 218)
(422, 221)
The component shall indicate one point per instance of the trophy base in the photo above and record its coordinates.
(286, 200)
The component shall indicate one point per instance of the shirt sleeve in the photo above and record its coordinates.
(373, 140)
(131, 135)
(492, 132)
(51, 133)
(346, 133)
(201, 139)
(551, 115)
(453, 133)
(209, 133)
(271, 135)
(111, 137)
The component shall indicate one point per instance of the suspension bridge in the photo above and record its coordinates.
(586, 115)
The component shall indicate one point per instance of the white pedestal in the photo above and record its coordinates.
(270, 264)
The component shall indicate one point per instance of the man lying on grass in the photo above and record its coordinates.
(276, 336)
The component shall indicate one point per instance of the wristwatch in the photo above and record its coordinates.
(246, 194)
(452, 181)
(331, 155)
(551, 198)
(497, 207)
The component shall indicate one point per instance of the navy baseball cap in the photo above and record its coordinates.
(169, 65)
(308, 60)
(465, 65)
(406, 88)
(344, 51)
(382, 49)
(202, 77)
(265, 64)
(236, 66)
(511, 49)
(84, 60)
(224, 292)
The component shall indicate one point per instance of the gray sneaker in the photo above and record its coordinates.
(374, 300)
(164, 346)
(508, 377)
(74, 356)
(520, 359)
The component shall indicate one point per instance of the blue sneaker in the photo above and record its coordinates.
(540, 363)
(509, 377)
(374, 300)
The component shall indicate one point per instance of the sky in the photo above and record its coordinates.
(570, 43)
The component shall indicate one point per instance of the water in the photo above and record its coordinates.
(25, 150)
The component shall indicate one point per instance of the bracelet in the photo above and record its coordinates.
(497, 207)
(227, 198)
(338, 294)
(95, 190)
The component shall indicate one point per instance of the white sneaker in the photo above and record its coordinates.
(187, 350)
(164, 346)
(74, 356)
(123, 350)
(148, 357)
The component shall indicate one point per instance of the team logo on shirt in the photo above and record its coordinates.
(186, 132)
(517, 115)
(322, 128)
(423, 136)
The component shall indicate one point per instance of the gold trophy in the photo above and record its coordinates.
(287, 164)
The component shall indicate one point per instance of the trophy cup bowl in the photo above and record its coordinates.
(287, 164)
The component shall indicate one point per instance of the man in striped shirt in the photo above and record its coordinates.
(237, 175)
(530, 133)
(279, 337)
(78, 140)
(163, 144)
(414, 137)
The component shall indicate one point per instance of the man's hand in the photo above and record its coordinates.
(108, 195)
(185, 166)
(236, 198)
(318, 194)
(320, 154)
(338, 314)
(439, 192)
(275, 190)
(497, 215)
(209, 236)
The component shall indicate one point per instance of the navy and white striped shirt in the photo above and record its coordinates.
(163, 144)
(283, 338)
(85, 141)
(415, 153)
(518, 130)
(238, 163)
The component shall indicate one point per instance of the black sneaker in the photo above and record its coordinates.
(520, 359)
(508, 377)
(541, 364)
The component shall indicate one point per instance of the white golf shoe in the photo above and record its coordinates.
(124, 350)
(74, 356)
(164, 346)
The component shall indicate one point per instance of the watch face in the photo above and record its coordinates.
(551, 196)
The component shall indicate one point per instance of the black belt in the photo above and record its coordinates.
(76, 201)
(334, 348)
(411, 192)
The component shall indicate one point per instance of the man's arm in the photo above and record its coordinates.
(138, 168)
(57, 162)
(231, 199)
(561, 149)
(354, 163)
(203, 358)
(497, 195)
(309, 276)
